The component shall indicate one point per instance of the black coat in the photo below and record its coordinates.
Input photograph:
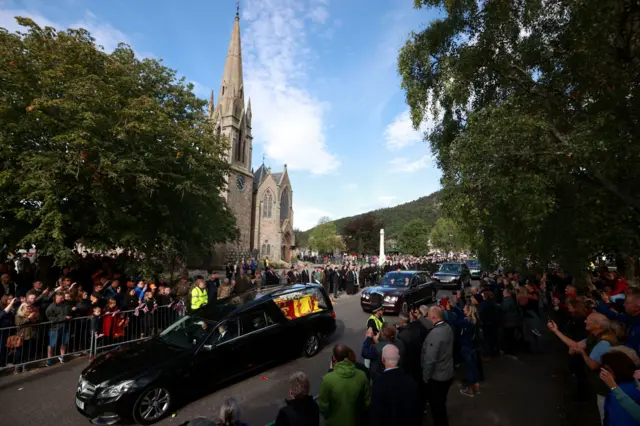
(305, 276)
(413, 336)
(395, 400)
(299, 412)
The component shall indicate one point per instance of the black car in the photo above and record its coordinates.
(218, 342)
(474, 268)
(454, 275)
(399, 291)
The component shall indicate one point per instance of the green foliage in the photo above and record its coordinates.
(362, 233)
(414, 239)
(324, 237)
(103, 149)
(301, 238)
(536, 134)
(446, 236)
(395, 218)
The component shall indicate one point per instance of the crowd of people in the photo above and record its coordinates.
(401, 371)
(45, 320)
(406, 369)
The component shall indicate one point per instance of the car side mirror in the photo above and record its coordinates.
(207, 348)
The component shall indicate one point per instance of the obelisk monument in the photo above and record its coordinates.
(382, 258)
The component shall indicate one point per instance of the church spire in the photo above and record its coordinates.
(231, 86)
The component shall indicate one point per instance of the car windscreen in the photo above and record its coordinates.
(450, 267)
(187, 332)
(394, 279)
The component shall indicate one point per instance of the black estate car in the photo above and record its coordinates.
(455, 275)
(218, 342)
(399, 291)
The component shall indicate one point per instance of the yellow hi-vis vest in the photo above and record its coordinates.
(199, 297)
(378, 322)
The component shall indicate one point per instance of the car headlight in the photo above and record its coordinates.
(390, 299)
(365, 295)
(117, 390)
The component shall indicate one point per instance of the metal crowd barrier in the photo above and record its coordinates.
(30, 344)
(133, 326)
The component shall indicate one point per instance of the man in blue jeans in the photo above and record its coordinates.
(58, 313)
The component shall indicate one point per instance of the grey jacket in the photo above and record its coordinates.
(437, 354)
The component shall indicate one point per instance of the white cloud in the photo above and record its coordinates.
(319, 14)
(400, 133)
(8, 20)
(352, 186)
(406, 165)
(307, 217)
(104, 33)
(286, 117)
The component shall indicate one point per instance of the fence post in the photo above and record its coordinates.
(92, 346)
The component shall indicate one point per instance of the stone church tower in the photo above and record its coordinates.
(234, 123)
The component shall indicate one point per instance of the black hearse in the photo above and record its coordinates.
(214, 344)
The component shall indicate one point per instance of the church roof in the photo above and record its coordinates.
(259, 176)
(276, 176)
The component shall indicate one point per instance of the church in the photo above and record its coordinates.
(262, 200)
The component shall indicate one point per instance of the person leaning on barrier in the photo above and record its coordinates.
(301, 409)
(199, 296)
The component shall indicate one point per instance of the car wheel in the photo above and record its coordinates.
(152, 405)
(311, 345)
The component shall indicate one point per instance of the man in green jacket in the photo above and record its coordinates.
(344, 392)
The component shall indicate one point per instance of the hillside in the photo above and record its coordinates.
(394, 218)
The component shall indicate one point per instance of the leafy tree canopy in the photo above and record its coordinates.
(301, 238)
(324, 237)
(537, 127)
(103, 149)
(362, 233)
(447, 236)
(414, 239)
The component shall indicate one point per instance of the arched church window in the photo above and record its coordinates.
(241, 146)
(264, 249)
(284, 204)
(237, 147)
(268, 250)
(267, 204)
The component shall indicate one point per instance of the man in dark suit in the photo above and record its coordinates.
(291, 277)
(305, 276)
(395, 399)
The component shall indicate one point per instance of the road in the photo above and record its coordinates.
(46, 396)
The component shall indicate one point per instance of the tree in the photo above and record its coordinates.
(301, 238)
(446, 236)
(414, 239)
(362, 233)
(104, 149)
(324, 238)
(534, 131)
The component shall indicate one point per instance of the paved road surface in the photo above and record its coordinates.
(516, 393)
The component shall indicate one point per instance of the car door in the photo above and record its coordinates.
(261, 334)
(222, 354)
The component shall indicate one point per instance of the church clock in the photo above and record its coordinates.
(240, 183)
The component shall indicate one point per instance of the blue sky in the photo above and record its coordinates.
(321, 75)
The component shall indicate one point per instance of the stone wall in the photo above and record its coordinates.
(240, 202)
